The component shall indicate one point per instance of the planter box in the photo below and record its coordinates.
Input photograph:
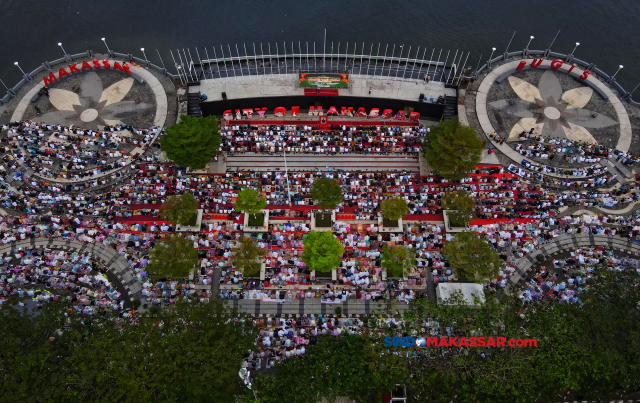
(447, 225)
(264, 226)
(382, 228)
(191, 228)
(313, 222)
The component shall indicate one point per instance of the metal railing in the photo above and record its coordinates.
(442, 66)
(48, 66)
(569, 58)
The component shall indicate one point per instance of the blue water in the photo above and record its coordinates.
(607, 30)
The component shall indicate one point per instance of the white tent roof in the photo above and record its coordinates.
(469, 291)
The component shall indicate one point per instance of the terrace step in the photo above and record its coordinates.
(305, 162)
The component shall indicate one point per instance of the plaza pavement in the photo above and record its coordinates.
(287, 85)
(624, 141)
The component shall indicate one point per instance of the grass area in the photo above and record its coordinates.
(389, 223)
(256, 220)
(456, 222)
(323, 220)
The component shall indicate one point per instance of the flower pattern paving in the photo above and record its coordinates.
(550, 111)
(93, 106)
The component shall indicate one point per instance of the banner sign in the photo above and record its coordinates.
(324, 80)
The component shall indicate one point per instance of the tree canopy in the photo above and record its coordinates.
(180, 209)
(193, 142)
(347, 366)
(174, 257)
(588, 350)
(322, 251)
(472, 257)
(326, 192)
(250, 201)
(397, 259)
(452, 149)
(188, 352)
(246, 256)
(461, 206)
(394, 208)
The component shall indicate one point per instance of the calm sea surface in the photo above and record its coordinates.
(609, 31)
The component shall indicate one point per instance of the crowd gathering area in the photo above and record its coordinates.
(106, 188)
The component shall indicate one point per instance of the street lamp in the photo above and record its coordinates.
(145, 55)
(492, 50)
(530, 39)
(65, 53)
(18, 66)
(105, 44)
(619, 68)
(574, 49)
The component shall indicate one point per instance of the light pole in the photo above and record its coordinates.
(63, 51)
(286, 172)
(574, 49)
(18, 66)
(530, 39)
(105, 44)
(490, 56)
(612, 77)
(146, 61)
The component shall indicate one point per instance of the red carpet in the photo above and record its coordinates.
(424, 217)
(321, 91)
(142, 219)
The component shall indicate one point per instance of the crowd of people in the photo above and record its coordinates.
(306, 140)
(124, 214)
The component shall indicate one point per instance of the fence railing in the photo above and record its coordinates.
(448, 68)
(13, 91)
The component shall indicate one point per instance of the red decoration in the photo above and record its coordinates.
(521, 65)
(49, 79)
(556, 64)
(536, 62)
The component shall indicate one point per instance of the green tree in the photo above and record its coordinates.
(588, 349)
(397, 260)
(174, 257)
(247, 256)
(250, 201)
(394, 208)
(322, 251)
(461, 206)
(326, 192)
(452, 149)
(193, 142)
(355, 367)
(32, 352)
(188, 352)
(180, 209)
(472, 257)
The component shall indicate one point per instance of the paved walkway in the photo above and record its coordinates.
(624, 141)
(287, 85)
(310, 162)
(314, 306)
(111, 259)
(568, 241)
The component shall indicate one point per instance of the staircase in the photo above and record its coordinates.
(193, 104)
(450, 107)
(310, 162)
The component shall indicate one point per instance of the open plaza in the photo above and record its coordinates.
(87, 176)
